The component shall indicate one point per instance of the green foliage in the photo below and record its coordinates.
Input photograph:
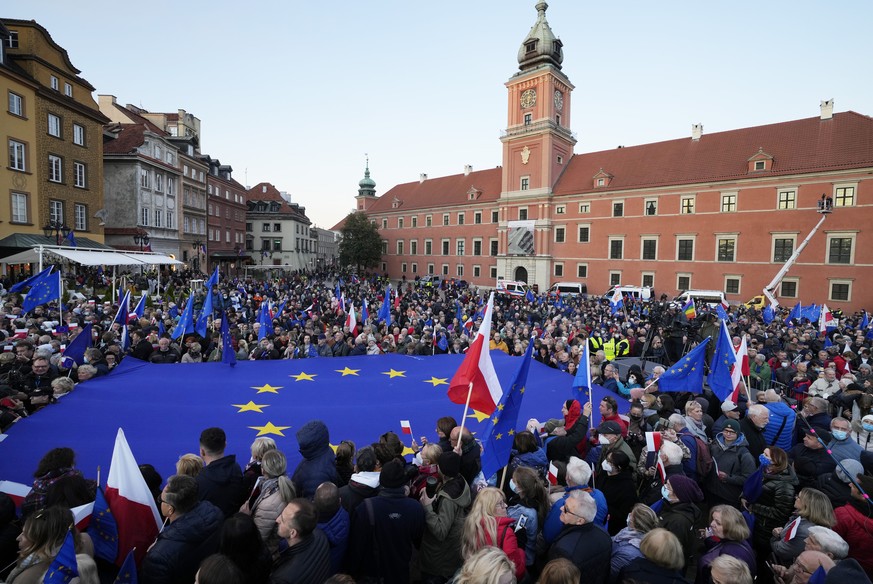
(361, 246)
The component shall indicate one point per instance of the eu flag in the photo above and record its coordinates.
(264, 320)
(767, 314)
(529, 295)
(205, 313)
(365, 314)
(385, 311)
(723, 360)
(64, 567)
(30, 281)
(686, 374)
(865, 321)
(43, 291)
(228, 355)
(213, 279)
(795, 313)
(127, 573)
(103, 529)
(76, 349)
(501, 430)
(582, 380)
(186, 322)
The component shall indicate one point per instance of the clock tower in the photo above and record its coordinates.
(537, 143)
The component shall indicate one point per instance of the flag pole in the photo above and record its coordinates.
(98, 476)
(459, 447)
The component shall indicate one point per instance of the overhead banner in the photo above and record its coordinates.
(521, 238)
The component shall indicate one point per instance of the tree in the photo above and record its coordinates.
(361, 245)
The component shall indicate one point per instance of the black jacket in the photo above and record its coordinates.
(680, 520)
(319, 462)
(809, 464)
(221, 483)
(354, 493)
(621, 495)
(756, 442)
(642, 570)
(588, 547)
(182, 545)
(308, 562)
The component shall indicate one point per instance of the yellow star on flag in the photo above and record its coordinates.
(267, 388)
(392, 374)
(437, 381)
(304, 376)
(478, 415)
(333, 447)
(500, 407)
(499, 436)
(250, 407)
(347, 371)
(407, 450)
(270, 429)
(511, 432)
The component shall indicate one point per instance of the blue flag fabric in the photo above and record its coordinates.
(103, 529)
(140, 307)
(529, 295)
(162, 330)
(64, 567)
(503, 423)
(720, 311)
(723, 359)
(228, 355)
(795, 313)
(264, 320)
(582, 380)
(811, 312)
(337, 292)
(754, 485)
(365, 314)
(186, 321)
(686, 374)
(828, 342)
(121, 315)
(76, 349)
(820, 576)
(398, 387)
(205, 313)
(767, 314)
(280, 310)
(213, 279)
(173, 312)
(385, 311)
(459, 314)
(43, 291)
(71, 239)
(865, 321)
(443, 343)
(30, 281)
(127, 573)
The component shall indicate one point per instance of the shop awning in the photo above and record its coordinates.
(91, 257)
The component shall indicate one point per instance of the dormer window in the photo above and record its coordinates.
(760, 165)
(530, 46)
(601, 182)
(602, 179)
(761, 161)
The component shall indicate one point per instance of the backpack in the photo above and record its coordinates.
(704, 459)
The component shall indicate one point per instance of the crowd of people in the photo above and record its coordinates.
(773, 486)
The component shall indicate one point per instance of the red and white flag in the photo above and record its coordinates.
(478, 370)
(405, 427)
(826, 319)
(662, 470)
(739, 369)
(791, 531)
(653, 441)
(16, 491)
(131, 503)
(351, 322)
(553, 474)
(82, 515)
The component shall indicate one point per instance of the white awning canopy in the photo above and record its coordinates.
(92, 257)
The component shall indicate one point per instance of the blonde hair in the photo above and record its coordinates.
(489, 565)
(663, 549)
(733, 526)
(261, 446)
(732, 569)
(816, 508)
(643, 518)
(559, 571)
(189, 464)
(480, 526)
(431, 453)
(692, 405)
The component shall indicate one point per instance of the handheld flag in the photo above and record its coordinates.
(121, 315)
(790, 531)
(205, 313)
(723, 361)
(721, 312)
(768, 314)
(582, 381)
(478, 370)
(365, 315)
(43, 291)
(213, 279)
(687, 373)
(406, 427)
(140, 307)
(553, 474)
(529, 295)
(30, 281)
(76, 349)
(127, 573)
(228, 355)
(500, 435)
(131, 502)
(754, 485)
(616, 301)
(71, 239)
(385, 311)
(64, 567)
(186, 321)
(351, 322)
(865, 321)
(826, 320)
(103, 529)
(690, 310)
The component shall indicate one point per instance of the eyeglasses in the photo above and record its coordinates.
(803, 568)
(729, 431)
(565, 510)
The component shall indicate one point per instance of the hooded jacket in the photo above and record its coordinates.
(444, 517)
(221, 483)
(362, 485)
(182, 545)
(774, 506)
(733, 460)
(318, 464)
(625, 549)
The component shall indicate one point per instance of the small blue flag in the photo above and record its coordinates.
(795, 313)
(265, 321)
(76, 349)
(127, 573)
(723, 359)
(121, 315)
(385, 312)
(228, 355)
(71, 238)
(529, 295)
(365, 314)
(865, 321)
(820, 576)
(720, 311)
(31, 280)
(213, 279)
(205, 313)
(186, 321)
(43, 291)
(140, 307)
(443, 343)
(162, 330)
(754, 485)
(64, 567)
(103, 529)
(687, 373)
(767, 314)
(173, 312)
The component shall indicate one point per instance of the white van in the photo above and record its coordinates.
(511, 287)
(635, 292)
(710, 297)
(568, 289)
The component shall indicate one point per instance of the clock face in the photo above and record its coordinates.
(559, 100)
(528, 98)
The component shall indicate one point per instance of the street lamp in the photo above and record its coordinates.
(196, 245)
(58, 229)
(142, 240)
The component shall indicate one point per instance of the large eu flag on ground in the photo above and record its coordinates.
(163, 408)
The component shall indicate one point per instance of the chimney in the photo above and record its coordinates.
(827, 109)
(468, 169)
(422, 177)
(696, 132)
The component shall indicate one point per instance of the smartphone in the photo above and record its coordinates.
(522, 521)
(770, 566)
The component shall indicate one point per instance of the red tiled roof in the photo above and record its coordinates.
(799, 146)
(444, 191)
(257, 193)
(129, 139)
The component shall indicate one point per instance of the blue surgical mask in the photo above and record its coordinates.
(665, 493)
(867, 427)
(513, 487)
(839, 434)
(764, 460)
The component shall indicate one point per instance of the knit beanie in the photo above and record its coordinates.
(685, 489)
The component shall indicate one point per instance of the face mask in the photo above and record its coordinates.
(867, 427)
(665, 493)
(785, 363)
(606, 466)
(839, 434)
(603, 440)
(636, 418)
(513, 487)
(764, 460)
(628, 519)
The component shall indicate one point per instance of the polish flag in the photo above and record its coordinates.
(131, 503)
(350, 319)
(653, 441)
(826, 319)
(16, 491)
(791, 531)
(553, 474)
(476, 374)
(739, 369)
(405, 427)
(662, 470)
(82, 515)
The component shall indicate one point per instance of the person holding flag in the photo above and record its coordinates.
(812, 507)
(49, 542)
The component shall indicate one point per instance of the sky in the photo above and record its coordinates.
(297, 93)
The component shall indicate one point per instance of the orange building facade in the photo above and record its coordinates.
(722, 211)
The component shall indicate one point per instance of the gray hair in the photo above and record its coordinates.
(578, 471)
(757, 410)
(830, 542)
(672, 452)
(677, 421)
(587, 506)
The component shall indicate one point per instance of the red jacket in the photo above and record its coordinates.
(856, 529)
(509, 544)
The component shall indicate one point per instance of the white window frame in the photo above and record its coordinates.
(584, 208)
(78, 134)
(159, 182)
(481, 246)
(144, 216)
(403, 267)
(643, 240)
(462, 218)
(682, 206)
(563, 230)
(832, 281)
(56, 168)
(580, 266)
(56, 211)
(492, 270)
(159, 218)
(17, 155)
(398, 246)
(145, 178)
(644, 275)
(774, 237)
(491, 242)
(623, 208)
(849, 185)
(725, 198)
(54, 82)
(459, 270)
(614, 277)
(609, 247)
(786, 190)
(460, 247)
(413, 247)
(646, 202)
(853, 235)
(726, 236)
(739, 280)
(683, 275)
(19, 208)
(79, 175)
(477, 271)
(523, 211)
(54, 125)
(558, 269)
(445, 269)
(400, 223)
(795, 281)
(68, 89)
(445, 247)
(693, 239)
(524, 183)
(431, 268)
(560, 209)
(16, 104)
(760, 165)
(579, 235)
(428, 247)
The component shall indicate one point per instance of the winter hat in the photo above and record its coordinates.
(450, 463)
(393, 475)
(847, 570)
(685, 489)
(852, 466)
(609, 427)
(728, 406)
(733, 425)
(868, 418)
